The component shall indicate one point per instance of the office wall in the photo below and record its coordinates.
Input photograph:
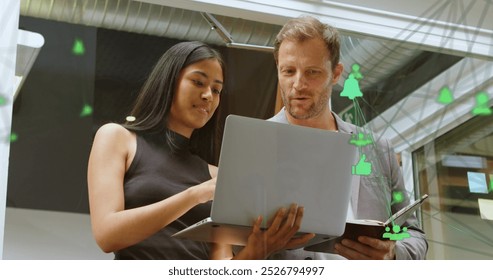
(49, 158)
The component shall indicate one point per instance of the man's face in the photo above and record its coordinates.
(306, 77)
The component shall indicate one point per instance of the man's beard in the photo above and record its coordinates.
(314, 110)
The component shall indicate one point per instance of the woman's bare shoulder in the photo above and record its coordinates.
(115, 133)
(113, 130)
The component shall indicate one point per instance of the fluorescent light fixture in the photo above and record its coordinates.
(28, 46)
(464, 161)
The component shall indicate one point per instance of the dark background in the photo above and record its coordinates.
(48, 161)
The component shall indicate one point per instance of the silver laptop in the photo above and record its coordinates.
(266, 165)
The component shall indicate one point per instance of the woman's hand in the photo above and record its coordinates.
(205, 191)
(279, 234)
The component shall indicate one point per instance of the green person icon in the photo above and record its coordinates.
(355, 71)
(398, 235)
(396, 228)
(387, 233)
(481, 105)
(362, 167)
(351, 88)
(404, 233)
(360, 140)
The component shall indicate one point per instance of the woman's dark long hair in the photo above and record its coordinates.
(153, 104)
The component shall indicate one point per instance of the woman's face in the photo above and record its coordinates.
(196, 97)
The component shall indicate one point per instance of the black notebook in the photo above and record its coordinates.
(372, 228)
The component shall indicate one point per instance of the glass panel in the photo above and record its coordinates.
(456, 171)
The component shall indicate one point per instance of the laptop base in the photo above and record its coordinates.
(209, 231)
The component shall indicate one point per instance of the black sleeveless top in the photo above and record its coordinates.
(155, 174)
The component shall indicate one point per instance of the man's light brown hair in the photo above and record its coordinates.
(306, 27)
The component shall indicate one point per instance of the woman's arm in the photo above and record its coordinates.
(213, 171)
(114, 227)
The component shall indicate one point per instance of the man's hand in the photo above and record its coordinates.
(366, 249)
(279, 235)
